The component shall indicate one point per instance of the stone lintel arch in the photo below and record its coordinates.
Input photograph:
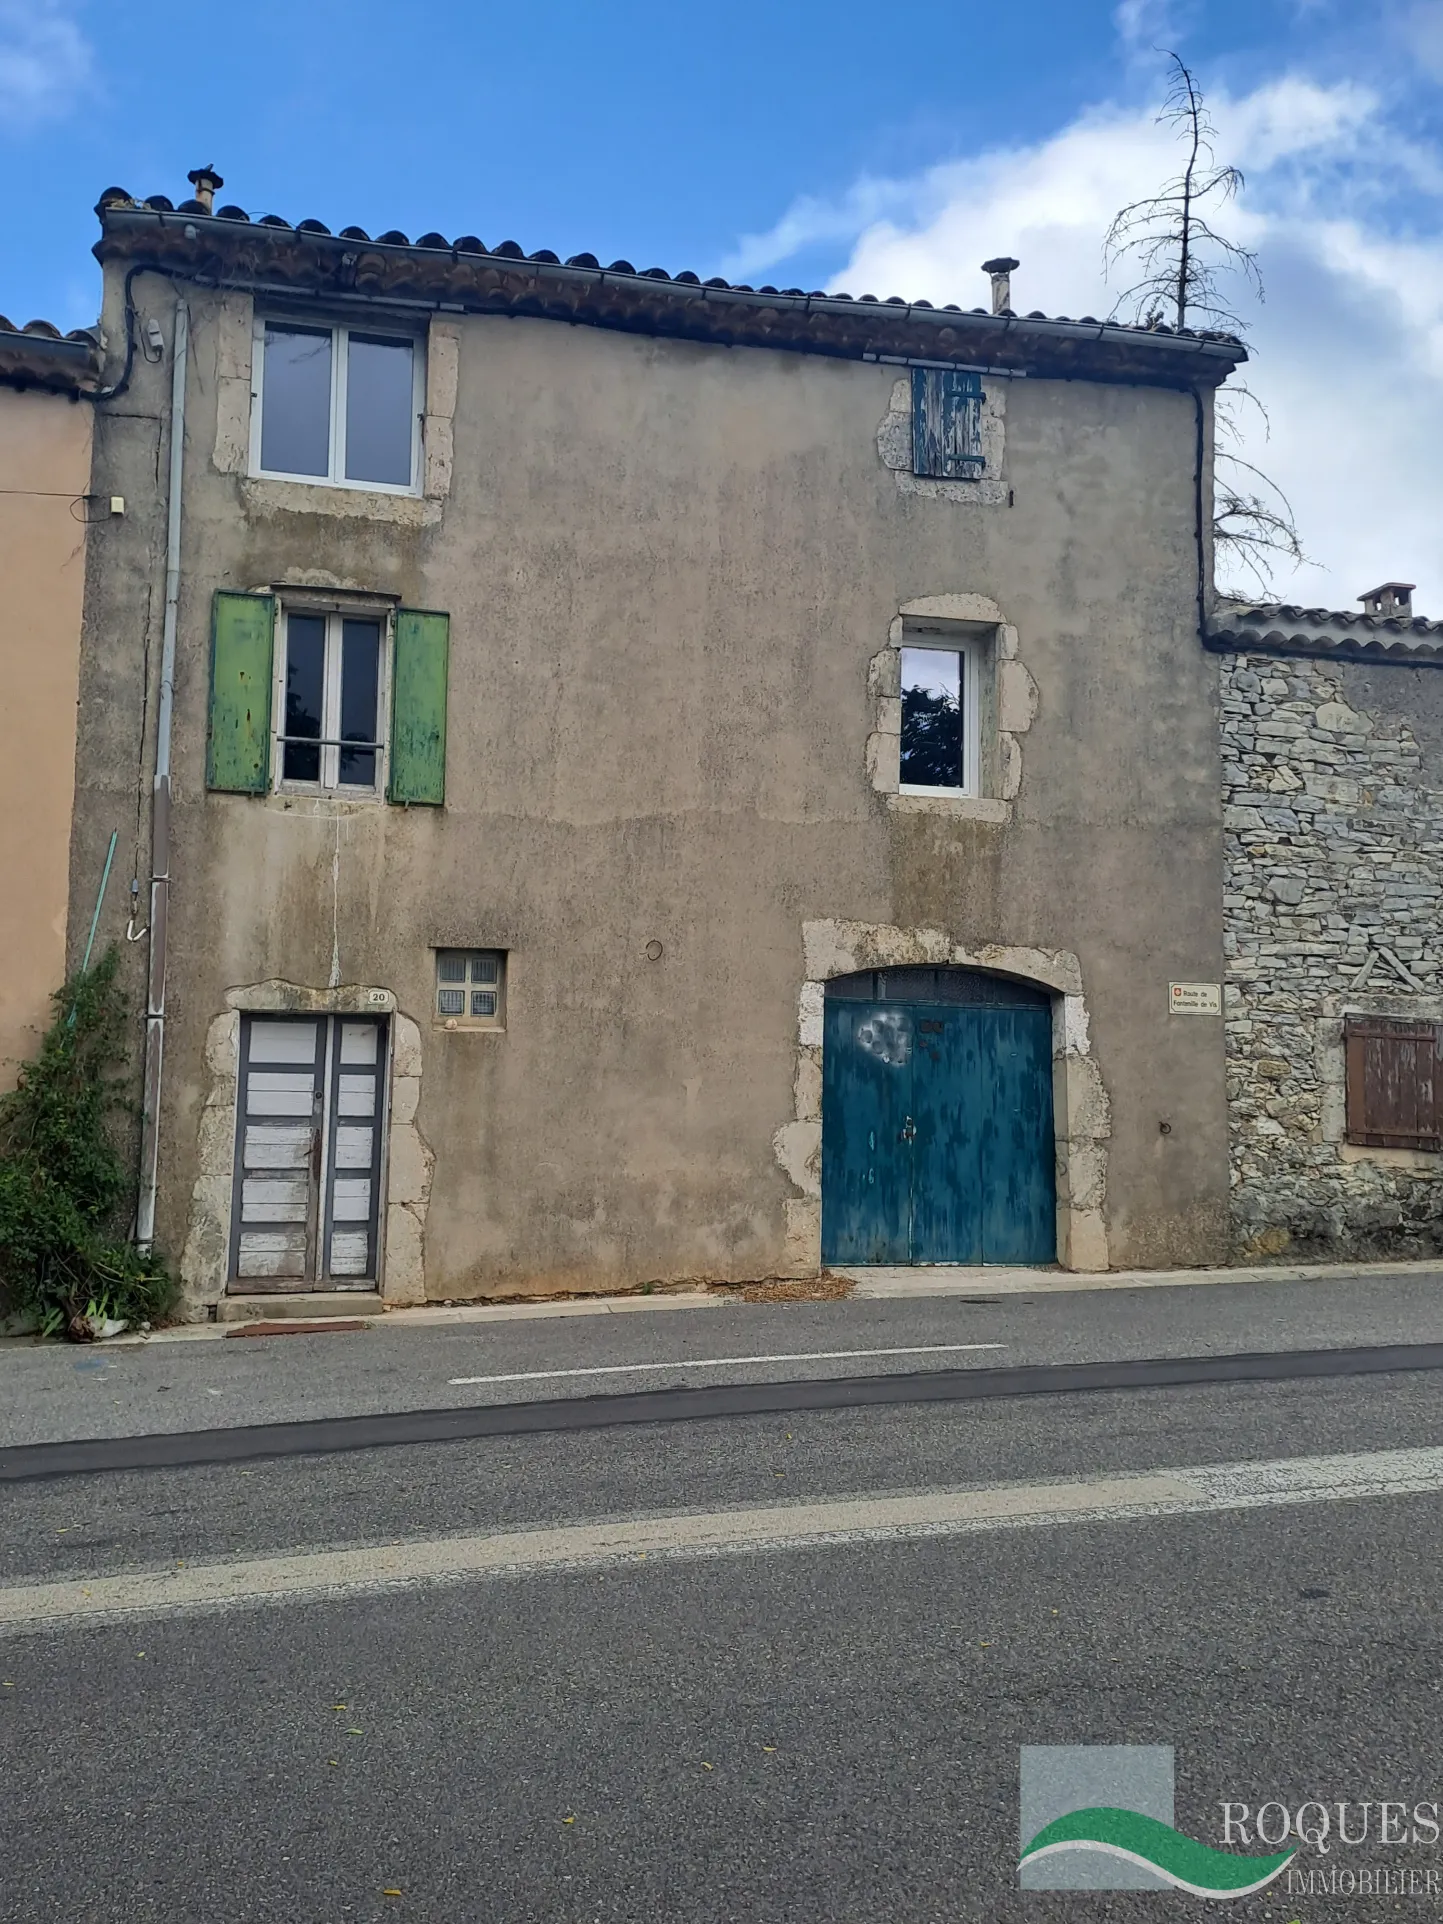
(407, 1162)
(1082, 1113)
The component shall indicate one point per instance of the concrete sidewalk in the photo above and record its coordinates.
(948, 1280)
(871, 1285)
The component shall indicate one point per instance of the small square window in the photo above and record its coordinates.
(477, 1000)
(336, 406)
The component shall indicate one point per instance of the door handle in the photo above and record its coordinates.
(909, 1131)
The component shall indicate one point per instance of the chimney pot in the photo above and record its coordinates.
(205, 181)
(1001, 271)
(1392, 601)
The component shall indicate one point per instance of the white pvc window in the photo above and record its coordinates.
(941, 736)
(331, 701)
(338, 405)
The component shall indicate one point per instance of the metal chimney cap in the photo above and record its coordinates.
(1000, 272)
(205, 181)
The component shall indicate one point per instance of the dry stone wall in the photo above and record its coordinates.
(1333, 821)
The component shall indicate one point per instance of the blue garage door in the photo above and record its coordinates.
(937, 1137)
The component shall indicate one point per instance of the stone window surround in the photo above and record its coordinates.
(1330, 1058)
(1008, 701)
(1082, 1112)
(988, 489)
(234, 329)
(406, 1161)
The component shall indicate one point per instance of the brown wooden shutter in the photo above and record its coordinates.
(1394, 1085)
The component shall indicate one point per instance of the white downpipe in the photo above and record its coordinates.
(160, 802)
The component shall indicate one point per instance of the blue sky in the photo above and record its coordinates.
(836, 144)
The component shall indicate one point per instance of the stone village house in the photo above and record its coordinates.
(635, 779)
(1332, 764)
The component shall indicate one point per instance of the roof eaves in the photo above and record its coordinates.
(38, 355)
(1342, 634)
(230, 249)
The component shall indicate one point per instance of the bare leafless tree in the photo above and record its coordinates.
(1187, 273)
(1253, 525)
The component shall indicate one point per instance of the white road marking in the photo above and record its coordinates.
(1207, 1489)
(727, 1362)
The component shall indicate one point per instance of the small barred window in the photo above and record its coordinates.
(471, 988)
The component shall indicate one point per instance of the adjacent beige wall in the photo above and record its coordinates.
(669, 568)
(44, 472)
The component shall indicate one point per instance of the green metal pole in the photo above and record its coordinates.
(104, 883)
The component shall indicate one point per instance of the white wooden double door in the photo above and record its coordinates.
(308, 1153)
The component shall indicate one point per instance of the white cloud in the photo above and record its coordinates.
(1422, 32)
(45, 62)
(1145, 23)
(1345, 213)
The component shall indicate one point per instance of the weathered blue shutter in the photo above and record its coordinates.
(947, 423)
(238, 743)
(418, 708)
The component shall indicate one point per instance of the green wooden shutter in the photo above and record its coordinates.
(947, 423)
(418, 708)
(238, 746)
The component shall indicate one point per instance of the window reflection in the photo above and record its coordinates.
(360, 670)
(296, 406)
(931, 718)
(305, 695)
(379, 411)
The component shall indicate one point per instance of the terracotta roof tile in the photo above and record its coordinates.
(1280, 628)
(912, 329)
(38, 355)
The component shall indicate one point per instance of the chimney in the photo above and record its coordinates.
(1001, 272)
(1392, 602)
(205, 181)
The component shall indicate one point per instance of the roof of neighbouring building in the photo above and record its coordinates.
(1275, 628)
(38, 355)
(469, 277)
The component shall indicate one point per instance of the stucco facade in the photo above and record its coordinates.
(45, 435)
(673, 570)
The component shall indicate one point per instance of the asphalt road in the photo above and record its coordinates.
(55, 1391)
(807, 1733)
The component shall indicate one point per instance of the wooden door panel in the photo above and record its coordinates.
(269, 1200)
(1019, 1200)
(350, 1246)
(866, 1149)
(947, 1096)
(280, 1146)
(278, 1154)
(273, 1253)
(280, 1092)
